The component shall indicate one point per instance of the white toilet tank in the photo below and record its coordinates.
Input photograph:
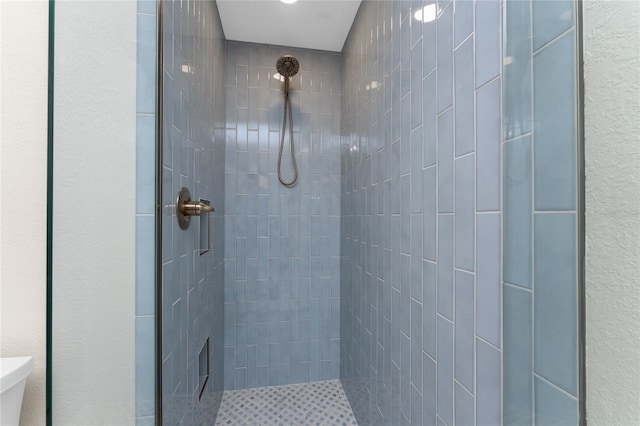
(13, 377)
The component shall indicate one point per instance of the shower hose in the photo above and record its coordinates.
(287, 107)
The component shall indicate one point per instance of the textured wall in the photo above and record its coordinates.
(612, 148)
(421, 214)
(193, 157)
(23, 166)
(282, 244)
(540, 219)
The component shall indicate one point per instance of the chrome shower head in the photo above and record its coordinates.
(287, 65)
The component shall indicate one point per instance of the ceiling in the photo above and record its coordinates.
(311, 24)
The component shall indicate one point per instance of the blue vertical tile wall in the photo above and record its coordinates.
(540, 224)
(282, 247)
(193, 157)
(421, 315)
(146, 71)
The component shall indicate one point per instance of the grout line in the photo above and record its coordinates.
(455, 268)
(468, 154)
(444, 318)
(488, 343)
(456, 381)
(470, 36)
(532, 217)
(475, 216)
(550, 383)
(544, 212)
(492, 80)
(551, 42)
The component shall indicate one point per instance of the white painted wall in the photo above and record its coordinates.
(94, 213)
(612, 149)
(23, 192)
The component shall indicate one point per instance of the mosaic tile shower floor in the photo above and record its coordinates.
(316, 403)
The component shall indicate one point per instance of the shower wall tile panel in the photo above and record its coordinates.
(421, 213)
(146, 71)
(541, 222)
(282, 249)
(192, 157)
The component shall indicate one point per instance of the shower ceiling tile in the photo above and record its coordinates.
(311, 24)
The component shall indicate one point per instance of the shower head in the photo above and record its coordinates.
(287, 65)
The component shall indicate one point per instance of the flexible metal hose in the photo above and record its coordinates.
(287, 106)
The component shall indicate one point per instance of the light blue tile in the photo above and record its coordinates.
(554, 407)
(429, 214)
(145, 366)
(550, 19)
(145, 421)
(488, 142)
(263, 376)
(416, 170)
(405, 139)
(145, 265)
(429, 391)
(429, 308)
(229, 378)
(465, 213)
(395, 394)
(463, 20)
(518, 354)
(517, 69)
(305, 371)
(488, 385)
(416, 406)
(445, 371)
(405, 59)
(167, 302)
(241, 378)
(315, 366)
(416, 257)
(464, 406)
(405, 375)
(416, 84)
(445, 162)
(445, 58)
(517, 212)
(488, 283)
(146, 64)
(416, 344)
(167, 222)
(167, 378)
(555, 305)
(229, 324)
(252, 369)
(430, 120)
(554, 105)
(429, 41)
(487, 33)
(147, 6)
(464, 96)
(145, 163)
(445, 265)
(273, 375)
(464, 329)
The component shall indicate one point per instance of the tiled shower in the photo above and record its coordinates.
(427, 257)
(282, 251)
(421, 215)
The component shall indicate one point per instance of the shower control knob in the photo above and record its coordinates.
(195, 208)
(185, 208)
